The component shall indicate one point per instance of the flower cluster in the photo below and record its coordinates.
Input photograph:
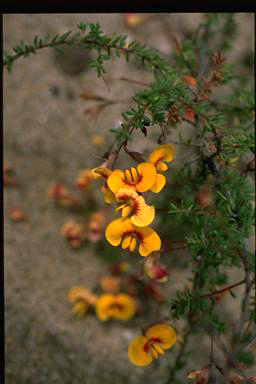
(125, 189)
(113, 302)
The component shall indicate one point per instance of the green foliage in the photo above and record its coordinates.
(245, 357)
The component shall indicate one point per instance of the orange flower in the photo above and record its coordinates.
(84, 179)
(110, 283)
(96, 226)
(190, 80)
(122, 307)
(17, 214)
(83, 298)
(140, 179)
(134, 206)
(201, 375)
(74, 232)
(123, 230)
(62, 196)
(98, 140)
(134, 19)
(144, 349)
(155, 270)
(158, 157)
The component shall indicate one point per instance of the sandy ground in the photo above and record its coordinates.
(48, 138)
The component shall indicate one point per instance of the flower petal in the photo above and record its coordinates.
(161, 166)
(116, 229)
(165, 152)
(128, 305)
(163, 333)
(116, 180)
(137, 353)
(159, 183)
(133, 244)
(80, 308)
(147, 174)
(150, 241)
(102, 306)
(126, 242)
(109, 196)
(144, 214)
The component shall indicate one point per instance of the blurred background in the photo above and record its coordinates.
(49, 137)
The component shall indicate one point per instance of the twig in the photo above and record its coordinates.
(134, 81)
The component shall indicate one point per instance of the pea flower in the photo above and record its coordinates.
(96, 226)
(98, 140)
(110, 283)
(199, 376)
(158, 157)
(62, 196)
(74, 232)
(121, 307)
(155, 270)
(84, 179)
(17, 214)
(82, 298)
(123, 230)
(134, 206)
(144, 349)
(140, 179)
(104, 172)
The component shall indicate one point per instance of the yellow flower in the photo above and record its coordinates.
(82, 298)
(123, 230)
(122, 307)
(144, 349)
(140, 179)
(158, 157)
(134, 206)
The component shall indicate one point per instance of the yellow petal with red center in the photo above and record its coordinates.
(116, 180)
(162, 334)
(80, 308)
(116, 229)
(159, 183)
(126, 307)
(161, 167)
(147, 177)
(141, 213)
(138, 353)
(150, 240)
(144, 214)
(126, 242)
(109, 196)
(133, 244)
(103, 305)
(165, 152)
